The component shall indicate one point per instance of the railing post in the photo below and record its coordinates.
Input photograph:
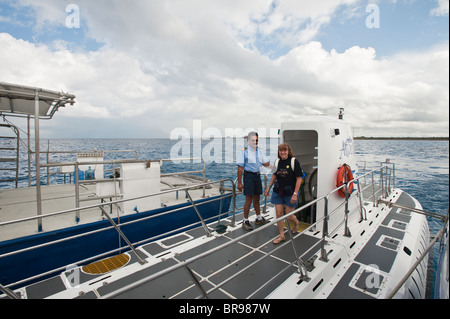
(300, 264)
(388, 176)
(393, 175)
(141, 261)
(208, 233)
(303, 271)
(196, 282)
(77, 193)
(375, 202)
(382, 180)
(204, 177)
(233, 219)
(323, 252)
(347, 230)
(361, 208)
(265, 197)
(11, 294)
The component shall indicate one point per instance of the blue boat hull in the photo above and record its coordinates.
(30, 263)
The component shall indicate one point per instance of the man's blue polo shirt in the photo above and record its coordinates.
(250, 160)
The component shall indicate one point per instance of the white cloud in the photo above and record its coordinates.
(442, 8)
(165, 63)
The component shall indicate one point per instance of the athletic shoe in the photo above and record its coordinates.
(246, 225)
(261, 221)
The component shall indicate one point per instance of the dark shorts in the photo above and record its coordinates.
(282, 200)
(252, 184)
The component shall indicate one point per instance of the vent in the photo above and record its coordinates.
(369, 281)
(398, 225)
(389, 243)
(107, 265)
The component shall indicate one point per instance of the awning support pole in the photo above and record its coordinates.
(37, 155)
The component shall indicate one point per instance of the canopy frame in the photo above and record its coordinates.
(31, 102)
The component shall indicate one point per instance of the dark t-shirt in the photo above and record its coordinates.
(285, 175)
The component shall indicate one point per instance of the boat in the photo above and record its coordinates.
(46, 227)
(360, 237)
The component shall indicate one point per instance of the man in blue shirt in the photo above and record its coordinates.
(249, 163)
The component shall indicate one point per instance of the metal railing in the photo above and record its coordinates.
(117, 226)
(78, 183)
(302, 267)
(49, 164)
(385, 184)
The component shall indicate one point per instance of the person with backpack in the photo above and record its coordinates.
(286, 179)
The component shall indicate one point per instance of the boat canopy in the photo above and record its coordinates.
(19, 100)
(30, 102)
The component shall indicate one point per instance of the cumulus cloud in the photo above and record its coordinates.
(165, 63)
(441, 9)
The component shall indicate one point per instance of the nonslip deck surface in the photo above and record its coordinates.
(266, 267)
(265, 271)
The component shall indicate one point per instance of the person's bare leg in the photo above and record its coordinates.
(292, 218)
(279, 209)
(247, 205)
(256, 204)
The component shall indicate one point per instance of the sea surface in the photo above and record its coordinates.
(421, 167)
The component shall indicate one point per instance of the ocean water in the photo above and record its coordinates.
(422, 167)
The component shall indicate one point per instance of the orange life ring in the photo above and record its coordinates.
(344, 175)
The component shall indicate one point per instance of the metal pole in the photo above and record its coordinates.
(288, 226)
(37, 158)
(29, 151)
(9, 292)
(347, 230)
(197, 283)
(77, 193)
(323, 252)
(198, 213)
(265, 197)
(121, 234)
(204, 177)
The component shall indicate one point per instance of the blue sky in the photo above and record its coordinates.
(143, 68)
(404, 26)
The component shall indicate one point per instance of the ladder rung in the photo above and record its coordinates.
(7, 180)
(8, 169)
(4, 160)
(7, 148)
(8, 137)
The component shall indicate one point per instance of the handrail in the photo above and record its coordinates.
(72, 210)
(187, 188)
(116, 226)
(68, 211)
(302, 269)
(301, 265)
(78, 182)
(8, 292)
